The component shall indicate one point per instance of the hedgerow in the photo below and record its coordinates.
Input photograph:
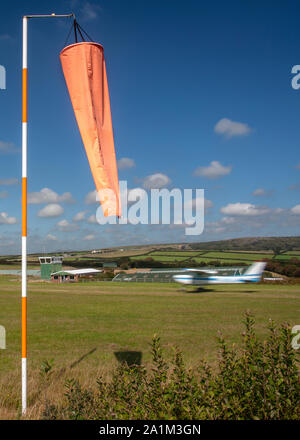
(259, 380)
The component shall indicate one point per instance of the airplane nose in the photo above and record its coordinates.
(182, 279)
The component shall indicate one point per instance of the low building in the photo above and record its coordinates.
(73, 275)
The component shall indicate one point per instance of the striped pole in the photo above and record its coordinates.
(24, 207)
(24, 221)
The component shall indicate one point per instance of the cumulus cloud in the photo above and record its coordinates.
(51, 210)
(294, 187)
(228, 220)
(125, 163)
(192, 203)
(89, 11)
(46, 195)
(230, 128)
(8, 181)
(5, 220)
(92, 219)
(296, 209)
(213, 171)
(89, 237)
(244, 209)
(7, 147)
(80, 216)
(261, 192)
(51, 237)
(65, 226)
(91, 198)
(6, 37)
(156, 181)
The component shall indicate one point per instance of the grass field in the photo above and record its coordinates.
(80, 326)
(208, 256)
(66, 321)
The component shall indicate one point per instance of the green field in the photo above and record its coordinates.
(222, 256)
(80, 326)
(66, 321)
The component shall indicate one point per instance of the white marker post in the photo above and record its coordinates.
(24, 206)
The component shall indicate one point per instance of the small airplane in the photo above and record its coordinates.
(235, 275)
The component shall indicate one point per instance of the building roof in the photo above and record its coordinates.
(77, 272)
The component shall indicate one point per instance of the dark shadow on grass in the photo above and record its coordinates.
(131, 358)
(83, 357)
(198, 290)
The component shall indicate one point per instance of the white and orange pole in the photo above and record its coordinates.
(24, 221)
(24, 206)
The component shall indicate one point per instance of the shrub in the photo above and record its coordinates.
(259, 381)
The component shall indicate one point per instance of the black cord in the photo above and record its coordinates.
(77, 28)
(72, 25)
(80, 27)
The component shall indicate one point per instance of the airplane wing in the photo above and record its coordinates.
(208, 271)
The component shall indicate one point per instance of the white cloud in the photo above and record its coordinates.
(156, 181)
(296, 209)
(213, 171)
(228, 220)
(6, 37)
(91, 198)
(51, 237)
(7, 147)
(92, 219)
(51, 210)
(65, 226)
(261, 192)
(8, 181)
(3, 194)
(294, 187)
(125, 163)
(46, 195)
(5, 220)
(80, 216)
(89, 11)
(89, 237)
(231, 128)
(244, 209)
(192, 203)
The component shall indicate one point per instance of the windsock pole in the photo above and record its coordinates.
(24, 221)
(24, 207)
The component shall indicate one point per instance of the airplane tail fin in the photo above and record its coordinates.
(256, 268)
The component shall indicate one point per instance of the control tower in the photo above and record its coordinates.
(50, 265)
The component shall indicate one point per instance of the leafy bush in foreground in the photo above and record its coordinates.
(260, 381)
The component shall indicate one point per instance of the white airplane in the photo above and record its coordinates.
(198, 277)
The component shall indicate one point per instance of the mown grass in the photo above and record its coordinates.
(80, 326)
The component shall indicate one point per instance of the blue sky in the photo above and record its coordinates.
(200, 94)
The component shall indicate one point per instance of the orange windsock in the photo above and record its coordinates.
(84, 69)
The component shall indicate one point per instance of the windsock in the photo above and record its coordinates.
(84, 70)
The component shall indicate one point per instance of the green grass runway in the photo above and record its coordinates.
(68, 321)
